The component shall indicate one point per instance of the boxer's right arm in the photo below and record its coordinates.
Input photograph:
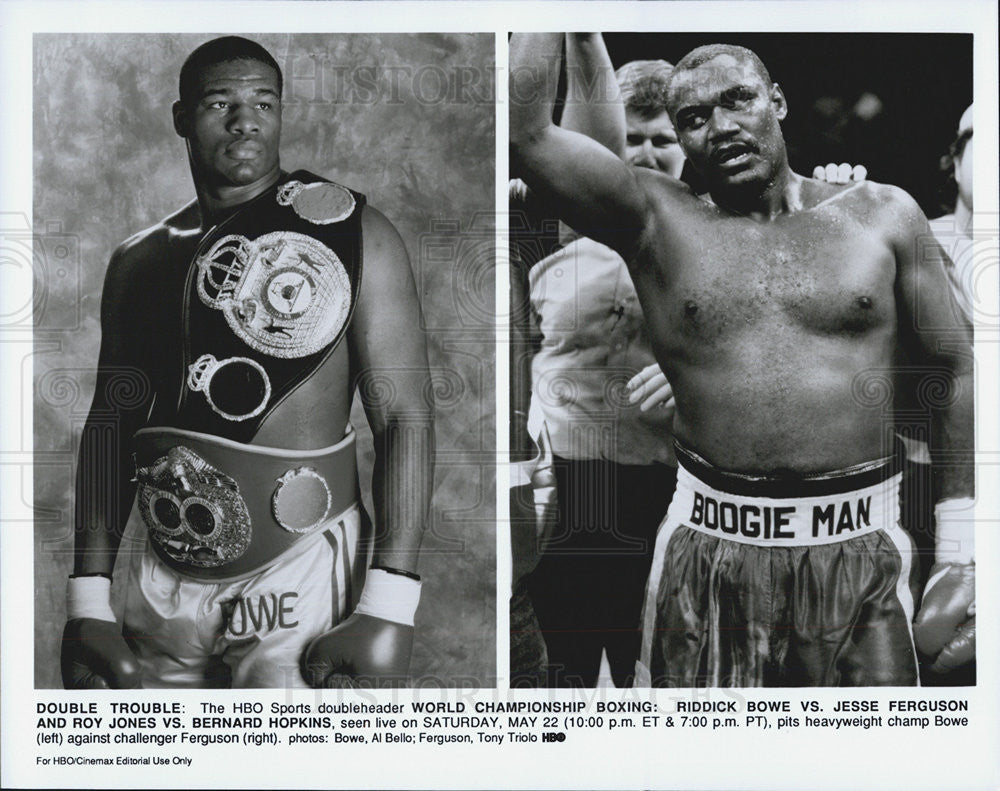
(94, 654)
(589, 187)
(594, 105)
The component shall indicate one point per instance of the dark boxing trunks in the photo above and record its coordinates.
(779, 582)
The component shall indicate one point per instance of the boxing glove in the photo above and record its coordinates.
(95, 656)
(945, 627)
(372, 647)
(94, 653)
(363, 651)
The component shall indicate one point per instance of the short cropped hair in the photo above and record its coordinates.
(643, 86)
(702, 55)
(221, 50)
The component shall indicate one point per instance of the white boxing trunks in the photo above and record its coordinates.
(245, 633)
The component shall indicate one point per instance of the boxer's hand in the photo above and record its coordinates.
(363, 651)
(95, 656)
(650, 386)
(517, 190)
(945, 627)
(840, 174)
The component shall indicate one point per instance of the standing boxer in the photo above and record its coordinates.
(775, 305)
(244, 322)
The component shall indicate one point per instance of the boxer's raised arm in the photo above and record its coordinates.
(589, 187)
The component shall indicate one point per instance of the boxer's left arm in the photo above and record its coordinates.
(581, 181)
(389, 366)
(932, 327)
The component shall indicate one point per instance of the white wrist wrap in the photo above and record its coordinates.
(89, 597)
(956, 531)
(391, 597)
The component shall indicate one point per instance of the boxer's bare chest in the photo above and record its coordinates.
(716, 280)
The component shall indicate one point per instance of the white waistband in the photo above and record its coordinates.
(785, 522)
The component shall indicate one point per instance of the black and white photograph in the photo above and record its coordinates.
(580, 394)
(238, 235)
(743, 385)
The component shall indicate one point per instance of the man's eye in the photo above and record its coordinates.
(219, 105)
(634, 140)
(737, 96)
(264, 105)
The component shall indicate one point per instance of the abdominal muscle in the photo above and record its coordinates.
(821, 406)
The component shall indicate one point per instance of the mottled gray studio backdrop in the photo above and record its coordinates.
(406, 119)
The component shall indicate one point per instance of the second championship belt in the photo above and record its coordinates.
(269, 296)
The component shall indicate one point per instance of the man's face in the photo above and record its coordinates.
(233, 124)
(652, 143)
(727, 121)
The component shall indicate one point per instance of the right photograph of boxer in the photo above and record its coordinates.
(746, 458)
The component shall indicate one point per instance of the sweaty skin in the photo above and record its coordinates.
(779, 305)
(762, 327)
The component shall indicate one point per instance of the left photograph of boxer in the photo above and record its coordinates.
(270, 462)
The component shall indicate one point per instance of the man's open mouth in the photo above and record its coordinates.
(732, 154)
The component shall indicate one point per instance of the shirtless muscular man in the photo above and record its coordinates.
(772, 304)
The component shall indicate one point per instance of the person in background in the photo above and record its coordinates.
(954, 230)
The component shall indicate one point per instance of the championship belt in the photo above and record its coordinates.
(284, 294)
(217, 509)
(269, 296)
